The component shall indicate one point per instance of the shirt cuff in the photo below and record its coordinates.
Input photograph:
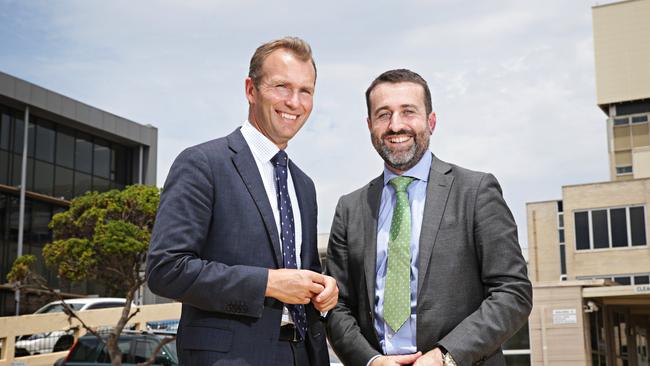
(372, 359)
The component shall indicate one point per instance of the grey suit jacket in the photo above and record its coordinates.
(473, 289)
(212, 245)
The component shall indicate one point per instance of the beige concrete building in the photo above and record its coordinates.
(622, 50)
(589, 258)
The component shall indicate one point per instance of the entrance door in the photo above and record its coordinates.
(620, 340)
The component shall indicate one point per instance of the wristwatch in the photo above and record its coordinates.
(447, 360)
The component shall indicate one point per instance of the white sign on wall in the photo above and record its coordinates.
(565, 316)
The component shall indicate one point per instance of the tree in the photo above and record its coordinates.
(102, 237)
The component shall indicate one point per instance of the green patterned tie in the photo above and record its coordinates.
(397, 295)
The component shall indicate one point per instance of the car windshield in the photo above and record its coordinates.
(58, 308)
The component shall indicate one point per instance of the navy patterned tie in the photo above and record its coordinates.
(287, 235)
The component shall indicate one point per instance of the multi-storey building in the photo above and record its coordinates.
(71, 148)
(589, 258)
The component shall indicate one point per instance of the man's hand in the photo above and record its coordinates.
(396, 360)
(431, 358)
(294, 286)
(328, 298)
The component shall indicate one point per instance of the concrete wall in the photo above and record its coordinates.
(621, 33)
(543, 241)
(603, 195)
(554, 338)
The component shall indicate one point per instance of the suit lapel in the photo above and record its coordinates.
(247, 169)
(437, 193)
(370, 214)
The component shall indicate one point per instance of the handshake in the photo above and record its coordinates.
(301, 286)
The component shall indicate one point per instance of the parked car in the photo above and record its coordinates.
(61, 340)
(136, 347)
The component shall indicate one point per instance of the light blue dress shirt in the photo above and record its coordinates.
(404, 341)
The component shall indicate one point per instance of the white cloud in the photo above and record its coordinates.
(512, 81)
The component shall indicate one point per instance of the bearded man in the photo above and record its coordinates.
(426, 255)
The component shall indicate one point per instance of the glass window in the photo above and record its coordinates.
(100, 184)
(41, 214)
(31, 138)
(620, 121)
(16, 168)
(582, 230)
(599, 230)
(19, 128)
(639, 119)
(637, 225)
(563, 259)
(5, 130)
(120, 165)
(641, 280)
(82, 183)
(623, 280)
(65, 148)
(44, 182)
(63, 183)
(83, 155)
(560, 220)
(45, 142)
(619, 227)
(102, 159)
(4, 167)
(561, 232)
(624, 169)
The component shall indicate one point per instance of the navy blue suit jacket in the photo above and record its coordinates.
(214, 240)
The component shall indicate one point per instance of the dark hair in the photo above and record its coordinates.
(297, 46)
(401, 76)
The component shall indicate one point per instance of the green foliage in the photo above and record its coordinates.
(104, 237)
(21, 268)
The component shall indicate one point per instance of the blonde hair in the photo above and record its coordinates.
(295, 45)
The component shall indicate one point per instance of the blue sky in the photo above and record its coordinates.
(513, 82)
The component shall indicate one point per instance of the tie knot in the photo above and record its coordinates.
(401, 183)
(280, 158)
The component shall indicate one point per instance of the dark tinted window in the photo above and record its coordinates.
(44, 180)
(619, 227)
(639, 119)
(562, 259)
(4, 167)
(599, 229)
(86, 349)
(582, 230)
(82, 183)
(65, 148)
(560, 220)
(637, 223)
(561, 232)
(102, 159)
(100, 184)
(83, 154)
(641, 280)
(63, 183)
(5, 130)
(19, 128)
(45, 142)
(620, 121)
(622, 280)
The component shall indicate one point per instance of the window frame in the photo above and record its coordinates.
(609, 228)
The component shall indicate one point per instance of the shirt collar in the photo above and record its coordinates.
(262, 148)
(420, 171)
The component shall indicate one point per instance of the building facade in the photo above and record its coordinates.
(71, 148)
(589, 258)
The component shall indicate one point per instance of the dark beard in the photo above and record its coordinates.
(405, 160)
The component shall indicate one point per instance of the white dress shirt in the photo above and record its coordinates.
(263, 151)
